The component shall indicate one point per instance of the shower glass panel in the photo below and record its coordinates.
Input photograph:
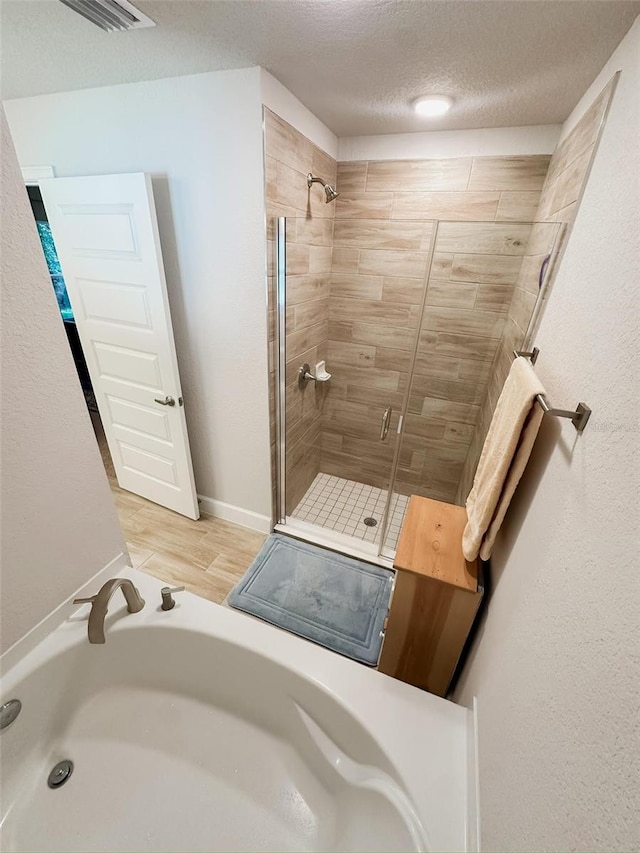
(481, 290)
(357, 310)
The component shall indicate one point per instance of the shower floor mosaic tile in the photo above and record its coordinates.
(343, 505)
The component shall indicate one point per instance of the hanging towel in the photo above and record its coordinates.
(505, 454)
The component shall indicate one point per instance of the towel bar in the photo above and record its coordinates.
(579, 416)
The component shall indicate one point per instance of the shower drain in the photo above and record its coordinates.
(370, 522)
(60, 774)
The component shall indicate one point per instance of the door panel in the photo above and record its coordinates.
(106, 234)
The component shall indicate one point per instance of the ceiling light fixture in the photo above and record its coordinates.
(432, 106)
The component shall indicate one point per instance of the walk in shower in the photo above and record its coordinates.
(388, 344)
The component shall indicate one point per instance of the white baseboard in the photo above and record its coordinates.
(229, 512)
(57, 616)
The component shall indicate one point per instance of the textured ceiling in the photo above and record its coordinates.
(356, 64)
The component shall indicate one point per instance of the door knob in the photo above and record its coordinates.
(168, 401)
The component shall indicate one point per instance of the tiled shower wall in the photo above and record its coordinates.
(382, 237)
(567, 175)
(289, 157)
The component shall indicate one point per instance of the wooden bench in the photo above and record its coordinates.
(436, 597)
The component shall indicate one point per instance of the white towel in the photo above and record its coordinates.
(504, 457)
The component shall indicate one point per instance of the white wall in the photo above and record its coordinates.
(443, 144)
(200, 138)
(59, 524)
(555, 668)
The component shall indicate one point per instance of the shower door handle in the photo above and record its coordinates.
(386, 420)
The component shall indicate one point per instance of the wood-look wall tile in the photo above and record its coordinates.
(340, 330)
(301, 288)
(416, 175)
(345, 261)
(484, 238)
(568, 184)
(583, 135)
(460, 321)
(314, 232)
(373, 396)
(368, 377)
(474, 370)
(364, 205)
(522, 306)
(286, 144)
(445, 205)
(297, 259)
(529, 278)
(424, 427)
(441, 265)
(310, 313)
(320, 260)
(427, 236)
(393, 263)
(383, 336)
(356, 286)
(323, 165)
(486, 269)
(450, 411)
(351, 177)
(369, 310)
(271, 178)
(331, 440)
(465, 346)
(377, 234)
(390, 358)
(519, 174)
(518, 206)
(544, 236)
(359, 355)
(451, 294)
(291, 188)
(447, 389)
(493, 297)
(309, 337)
(406, 290)
(432, 364)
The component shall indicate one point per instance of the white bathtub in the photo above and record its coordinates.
(203, 729)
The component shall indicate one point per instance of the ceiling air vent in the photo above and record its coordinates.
(110, 15)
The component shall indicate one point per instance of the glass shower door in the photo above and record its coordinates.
(338, 405)
(481, 291)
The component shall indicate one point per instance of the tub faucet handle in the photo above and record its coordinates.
(166, 592)
(88, 600)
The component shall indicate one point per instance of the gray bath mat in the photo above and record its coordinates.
(336, 601)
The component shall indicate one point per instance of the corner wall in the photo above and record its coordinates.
(555, 664)
(59, 523)
(200, 138)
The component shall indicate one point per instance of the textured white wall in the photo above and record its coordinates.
(200, 138)
(59, 524)
(555, 668)
(443, 144)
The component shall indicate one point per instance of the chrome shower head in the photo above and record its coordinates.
(330, 193)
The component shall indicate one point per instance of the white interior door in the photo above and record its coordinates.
(106, 235)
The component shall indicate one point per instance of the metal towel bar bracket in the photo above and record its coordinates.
(579, 416)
